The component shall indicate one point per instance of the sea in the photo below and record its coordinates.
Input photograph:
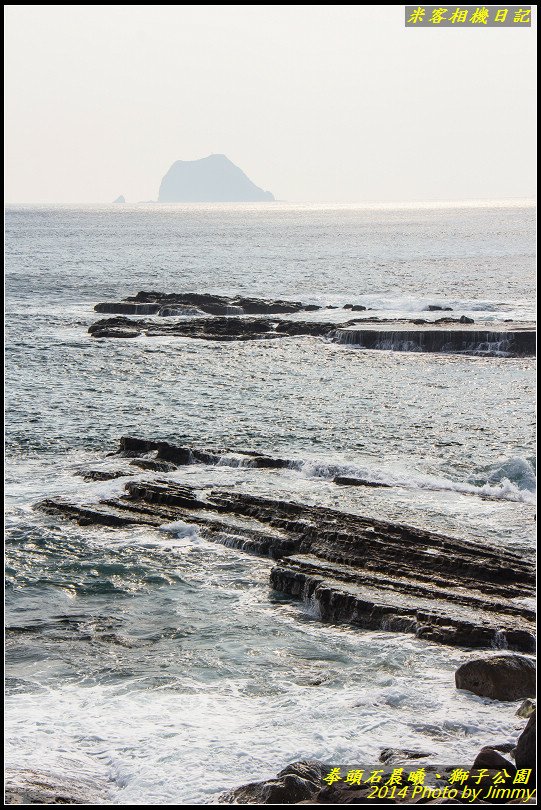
(162, 663)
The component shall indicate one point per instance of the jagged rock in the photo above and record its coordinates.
(526, 709)
(295, 783)
(227, 324)
(501, 677)
(436, 308)
(211, 179)
(517, 342)
(525, 750)
(217, 328)
(27, 786)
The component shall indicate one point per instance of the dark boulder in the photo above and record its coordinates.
(295, 783)
(502, 677)
(492, 760)
(525, 750)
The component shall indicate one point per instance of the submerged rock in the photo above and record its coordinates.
(392, 756)
(102, 475)
(501, 677)
(116, 332)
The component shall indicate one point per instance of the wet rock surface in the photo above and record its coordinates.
(501, 677)
(361, 571)
(40, 787)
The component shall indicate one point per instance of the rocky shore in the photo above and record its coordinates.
(368, 573)
(240, 318)
(404, 777)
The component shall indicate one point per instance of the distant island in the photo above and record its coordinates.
(210, 179)
(120, 199)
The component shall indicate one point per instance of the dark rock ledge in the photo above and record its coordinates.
(170, 304)
(368, 573)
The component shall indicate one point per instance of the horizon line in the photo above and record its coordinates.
(457, 202)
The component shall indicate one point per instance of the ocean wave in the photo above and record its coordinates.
(414, 304)
(182, 531)
(513, 480)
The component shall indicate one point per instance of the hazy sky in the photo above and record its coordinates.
(329, 103)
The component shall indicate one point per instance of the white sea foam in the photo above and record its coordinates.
(498, 484)
(187, 741)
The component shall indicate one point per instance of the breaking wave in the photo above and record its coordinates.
(513, 480)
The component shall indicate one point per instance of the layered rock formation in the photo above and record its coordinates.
(369, 573)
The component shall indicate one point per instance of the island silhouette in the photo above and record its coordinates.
(211, 179)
